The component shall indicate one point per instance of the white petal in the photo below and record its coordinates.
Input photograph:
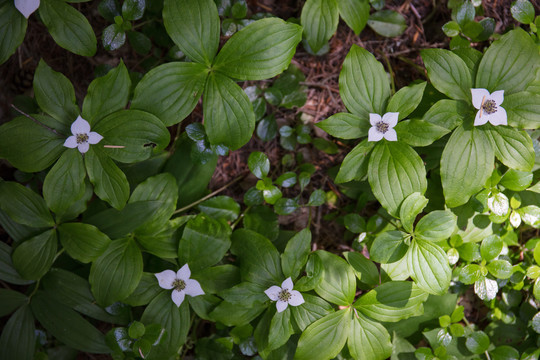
(287, 284)
(178, 297)
(80, 126)
(83, 147)
(71, 142)
(374, 119)
(281, 305)
(166, 279)
(391, 118)
(374, 135)
(193, 288)
(390, 135)
(498, 97)
(296, 298)
(94, 137)
(27, 7)
(480, 120)
(499, 117)
(184, 273)
(478, 96)
(273, 292)
(515, 219)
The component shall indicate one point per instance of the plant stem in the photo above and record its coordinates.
(389, 66)
(34, 120)
(187, 207)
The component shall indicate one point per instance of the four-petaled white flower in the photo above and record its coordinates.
(181, 284)
(26, 7)
(82, 136)
(489, 107)
(284, 295)
(383, 127)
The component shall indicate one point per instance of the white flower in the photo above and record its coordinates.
(489, 107)
(26, 7)
(383, 127)
(180, 283)
(82, 136)
(284, 295)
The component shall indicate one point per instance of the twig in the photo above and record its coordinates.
(35, 120)
(187, 207)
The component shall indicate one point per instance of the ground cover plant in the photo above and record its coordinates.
(230, 179)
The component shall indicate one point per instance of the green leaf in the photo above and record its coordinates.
(523, 110)
(194, 27)
(140, 133)
(110, 183)
(448, 73)
(368, 340)
(296, 253)
(146, 290)
(477, 342)
(18, 336)
(24, 206)
(491, 247)
(387, 23)
(451, 29)
(388, 247)
(170, 91)
(229, 117)
(13, 25)
(175, 320)
(419, 132)
(465, 13)
(392, 301)
(66, 325)
(11, 300)
(363, 83)
(116, 273)
(501, 269)
(410, 208)
(217, 278)
(234, 315)
(29, 146)
(406, 99)
(319, 19)
(436, 226)
(516, 180)
(514, 148)
(245, 294)
(83, 242)
(68, 27)
(113, 37)
(280, 329)
(64, 184)
(54, 93)
(504, 352)
(395, 171)
(429, 267)
(509, 63)
(325, 338)
(204, 242)
(448, 113)
(364, 269)
(7, 271)
(354, 13)
(220, 207)
(355, 164)
(345, 126)
(466, 164)
(74, 291)
(311, 310)
(133, 10)
(523, 11)
(259, 51)
(471, 57)
(259, 164)
(259, 260)
(107, 94)
(338, 284)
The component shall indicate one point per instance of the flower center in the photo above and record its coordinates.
(489, 106)
(82, 138)
(382, 127)
(179, 285)
(284, 295)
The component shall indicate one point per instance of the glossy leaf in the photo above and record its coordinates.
(355, 164)
(271, 46)
(364, 268)
(345, 126)
(116, 273)
(338, 284)
(406, 99)
(410, 208)
(429, 267)
(354, 13)
(512, 147)
(387, 23)
(368, 339)
(296, 254)
(388, 247)
(320, 20)
(220, 207)
(436, 226)
(311, 310)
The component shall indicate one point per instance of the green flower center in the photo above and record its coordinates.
(382, 127)
(489, 107)
(82, 138)
(284, 295)
(179, 285)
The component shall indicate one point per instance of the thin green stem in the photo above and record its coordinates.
(390, 70)
(413, 64)
(240, 217)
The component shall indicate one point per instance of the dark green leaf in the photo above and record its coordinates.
(12, 22)
(436, 226)
(364, 268)
(296, 254)
(34, 257)
(18, 336)
(259, 164)
(345, 126)
(11, 300)
(83, 242)
(477, 342)
(113, 37)
(7, 271)
(320, 20)
(355, 164)
(387, 23)
(419, 132)
(338, 284)
(133, 10)
(388, 247)
(24, 206)
(368, 339)
(406, 99)
(429, 267)
(220, 207)
(354, 13)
